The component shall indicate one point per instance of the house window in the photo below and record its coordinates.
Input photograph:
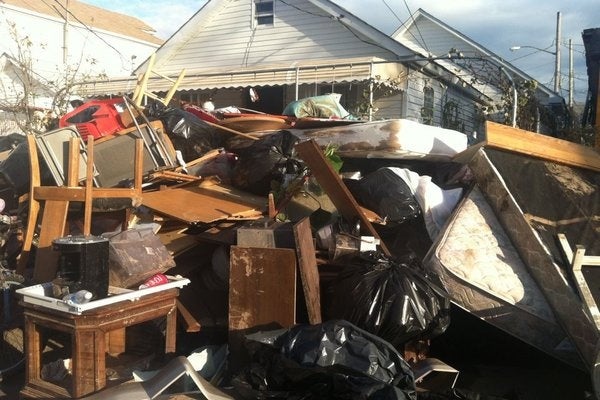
(263, 12)
(427, 110)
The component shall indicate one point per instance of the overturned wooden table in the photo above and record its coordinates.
(88, 331)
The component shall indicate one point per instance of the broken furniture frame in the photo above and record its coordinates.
(88, 340)
(577, 259)
(155, 145)
(141, 88)
(56, 201)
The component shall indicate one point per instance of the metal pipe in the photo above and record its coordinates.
(571, 75)
(515, 97)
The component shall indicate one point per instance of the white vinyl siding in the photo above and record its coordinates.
(300, 32)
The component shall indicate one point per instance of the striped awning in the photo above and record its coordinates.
(345, 70)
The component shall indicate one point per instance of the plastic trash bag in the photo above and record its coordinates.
(332, 360)
(391, 299)
(265, 161)
(387, 194)
(189, 134)
(324, 106)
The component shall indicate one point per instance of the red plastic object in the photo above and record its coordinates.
(96, 118)
(200, 113)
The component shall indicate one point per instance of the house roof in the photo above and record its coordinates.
(366, 51)
(89, 15)
(426, 43)
(212, 9)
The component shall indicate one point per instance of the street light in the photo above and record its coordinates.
(555, 53)
(556, 64)
(514, 48)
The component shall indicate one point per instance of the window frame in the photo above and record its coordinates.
(257, 14)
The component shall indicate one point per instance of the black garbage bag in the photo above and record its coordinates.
(332, 360)
(392, 299)
(189, 134)
(264, 162)
(386, 193)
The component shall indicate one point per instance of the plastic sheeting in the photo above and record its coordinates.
(392, 299)
(333, 360)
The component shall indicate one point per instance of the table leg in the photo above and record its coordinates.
(170, 335)
(85, 362)
(100, 359)
(33, 349)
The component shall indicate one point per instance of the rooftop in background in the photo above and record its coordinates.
(89, 15)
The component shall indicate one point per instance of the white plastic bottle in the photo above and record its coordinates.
(79, 297)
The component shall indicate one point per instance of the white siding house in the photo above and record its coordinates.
(287, 50)
(472, 66)
(302, 48)
(66, 41)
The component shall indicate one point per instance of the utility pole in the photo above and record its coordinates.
(557, 55)
(66, 34)
(571, 75)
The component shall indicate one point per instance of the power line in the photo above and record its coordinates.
(416, 26)
(123, 58)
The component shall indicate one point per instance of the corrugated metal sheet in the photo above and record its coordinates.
(348, 70)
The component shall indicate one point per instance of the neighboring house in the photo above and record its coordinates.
(287, 50)
(472, 66)
(12, 81)
(66, 41)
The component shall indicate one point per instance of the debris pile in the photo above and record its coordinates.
(303, 255)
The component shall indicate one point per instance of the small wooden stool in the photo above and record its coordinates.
(88, 332)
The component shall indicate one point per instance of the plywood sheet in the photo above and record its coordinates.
(196, 204)
(262, 287)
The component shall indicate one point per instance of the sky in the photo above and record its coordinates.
(495, 24)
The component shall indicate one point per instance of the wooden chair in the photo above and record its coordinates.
(56, 201)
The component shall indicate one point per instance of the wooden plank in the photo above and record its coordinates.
(191, 323)
(331, 182)
(89, 182)
(309, 272)
(78, 193)
(541, 146)
(194, 204)
(262, 287)
(34, 205)
(54, 219)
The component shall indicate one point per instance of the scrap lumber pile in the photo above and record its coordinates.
(299, 271)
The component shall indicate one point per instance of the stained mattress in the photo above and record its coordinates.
(484, 274)
(391, 139)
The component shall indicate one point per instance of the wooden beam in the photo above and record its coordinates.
(339, 194)
(191, 323)
(541, 146)
(309, 272)
(34, 205)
